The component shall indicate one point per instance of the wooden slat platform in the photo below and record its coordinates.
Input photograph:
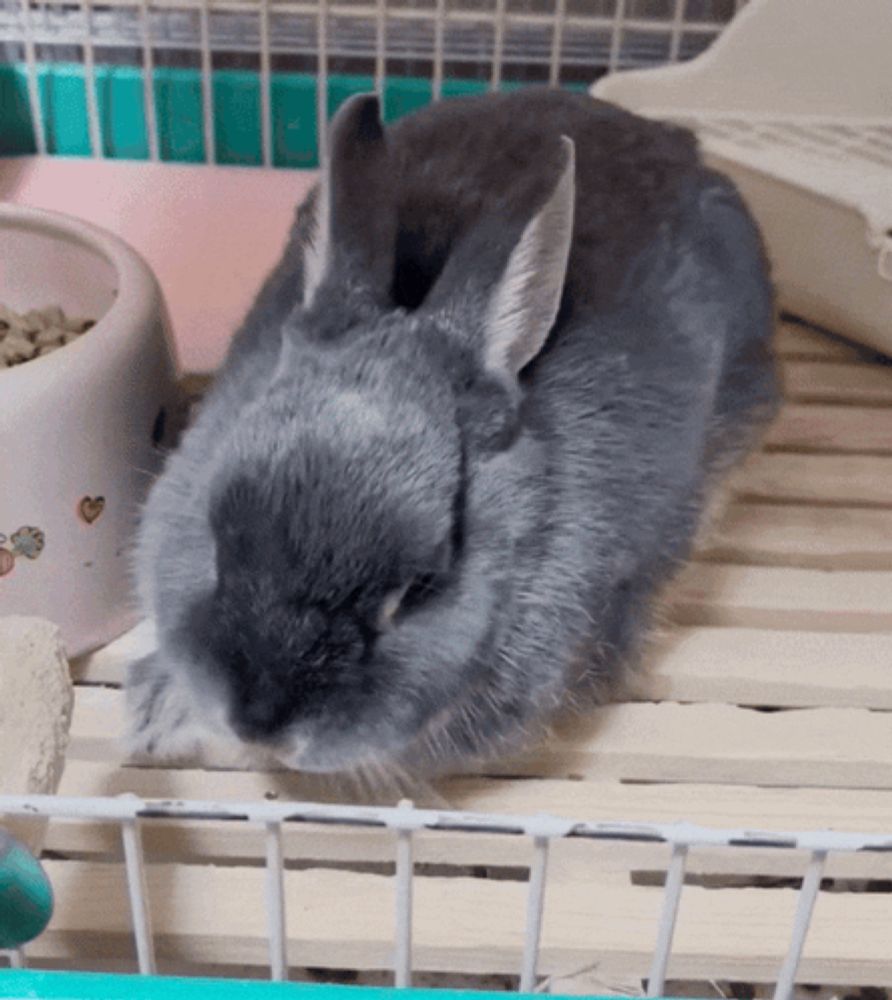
(767, 703)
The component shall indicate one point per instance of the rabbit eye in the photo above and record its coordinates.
(422, 587)
(408, 597)
(391, 606)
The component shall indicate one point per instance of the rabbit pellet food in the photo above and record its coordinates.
(35, 333)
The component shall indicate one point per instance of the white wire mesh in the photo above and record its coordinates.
(380, 46)
(505, 41)
(498, 44)
(135, 866)
(322, 77)
(557, 42)
(656, 982)
(275, 902)
(405, 820)
(808, 895)
(207, 84)
(148, 63)
(94, 124)
(439, 56)
(27, 37)
(535, 910)
(235, 28)
(402, 963)
(616, 35)
(677, 28)
(266, 114)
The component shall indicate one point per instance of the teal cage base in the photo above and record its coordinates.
(120, 101)
(17, 985)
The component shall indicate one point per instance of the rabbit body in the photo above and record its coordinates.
(453, 452)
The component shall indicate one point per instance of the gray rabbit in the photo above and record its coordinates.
(465, 433)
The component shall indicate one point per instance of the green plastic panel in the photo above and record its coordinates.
(77, 986)
(16, 134)
(180, 116)
(459, 88)
(120, 100)
(237, 117)
(293, 100)
(63, 102)
(121, 104)
(403, 95)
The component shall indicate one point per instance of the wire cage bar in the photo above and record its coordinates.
(265, 85)
(405, 821)
(656, 981)
(404, 872)
(94, 124)
(135, 866)
(207, 89)
(275, 902)
(535, 909)
(27, 37)
(148, 62)
(808, 896)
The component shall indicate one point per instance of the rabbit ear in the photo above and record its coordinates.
(317, 247)
(525, 303)
(354, 231)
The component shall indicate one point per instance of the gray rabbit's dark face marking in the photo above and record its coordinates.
(354, 498)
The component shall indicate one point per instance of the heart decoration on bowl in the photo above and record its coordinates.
(91, 507)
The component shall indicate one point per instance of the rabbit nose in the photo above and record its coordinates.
(256, 720)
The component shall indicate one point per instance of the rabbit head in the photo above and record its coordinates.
(361, 513)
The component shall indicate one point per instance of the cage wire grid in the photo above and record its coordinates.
(404, 820)
(557, 41)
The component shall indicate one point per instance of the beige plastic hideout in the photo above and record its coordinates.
(794, 103)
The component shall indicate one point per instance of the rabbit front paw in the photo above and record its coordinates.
(160, 722)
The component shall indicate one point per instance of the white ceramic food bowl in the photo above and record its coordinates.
(80, 428)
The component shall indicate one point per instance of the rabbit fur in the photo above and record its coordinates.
(465, 433)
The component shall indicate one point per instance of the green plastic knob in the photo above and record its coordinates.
(26, 896)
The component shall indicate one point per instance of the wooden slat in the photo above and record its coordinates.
(722, 743)
(814, 747)
(831, 382)
(779, 597)
(801, 535)
(797, 340)
(770, 667)
(710, 805)
(820, 428)
(817, 479)
(345, 920)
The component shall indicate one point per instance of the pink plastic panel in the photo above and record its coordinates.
(210, 234)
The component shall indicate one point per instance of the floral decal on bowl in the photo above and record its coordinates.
(27, 542)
